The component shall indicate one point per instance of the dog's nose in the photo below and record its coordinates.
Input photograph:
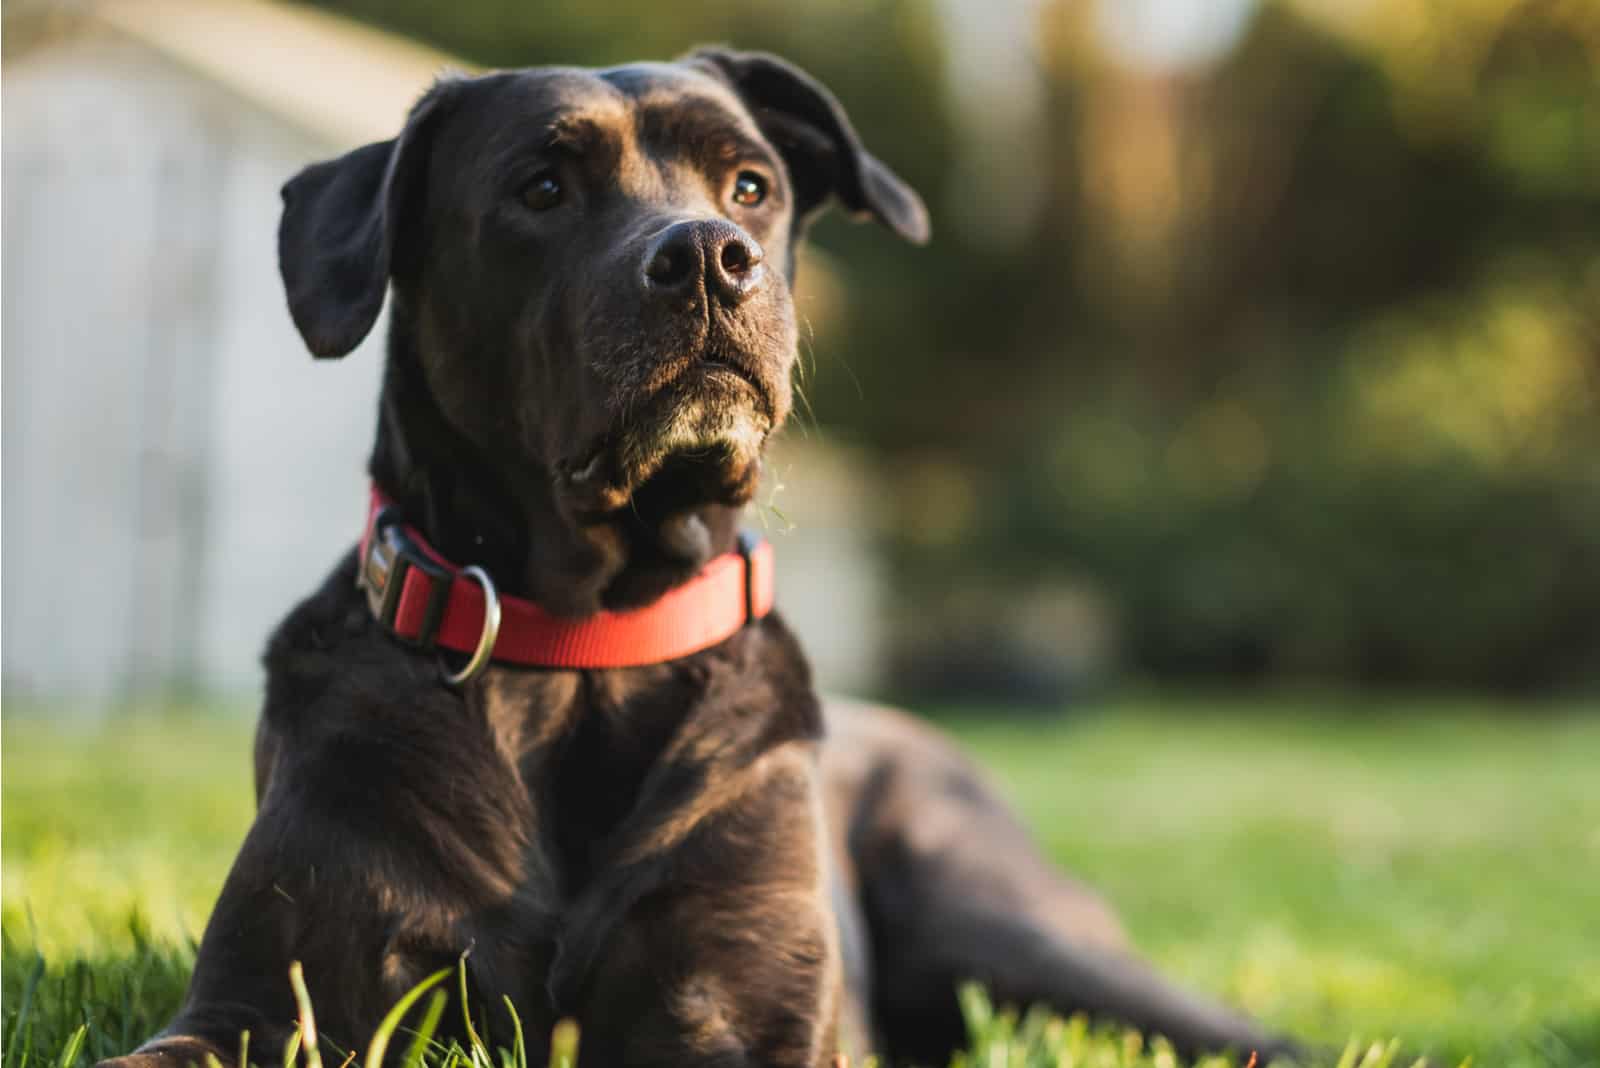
(716, 251)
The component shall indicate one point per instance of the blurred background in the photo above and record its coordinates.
(1241, 425)
(1258, 341)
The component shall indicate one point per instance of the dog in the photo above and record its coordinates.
(591, 340)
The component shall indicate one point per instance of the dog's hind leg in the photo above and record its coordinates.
(953, 890)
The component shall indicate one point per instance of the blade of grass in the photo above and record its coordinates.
(1379, 1054)
(391, 1020)
(424, 1033)
(308, 1019)
(291, 1048)
(69, 1055)
(22, 1035)
(520, 1048)
(976, 1011)
(478, 1052)
(474, 1043)
(564, 1044)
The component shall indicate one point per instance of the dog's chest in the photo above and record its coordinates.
(584, 745)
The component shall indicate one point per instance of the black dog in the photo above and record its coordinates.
(592, 340)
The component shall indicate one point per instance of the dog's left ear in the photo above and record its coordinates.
(345, 225)
(820, 147)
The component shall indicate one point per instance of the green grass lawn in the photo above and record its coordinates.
(1341, 869)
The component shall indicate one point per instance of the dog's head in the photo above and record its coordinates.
(592, 268)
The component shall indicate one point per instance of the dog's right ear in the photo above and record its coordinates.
(343, 223)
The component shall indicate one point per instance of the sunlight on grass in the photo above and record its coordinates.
(1419, 869)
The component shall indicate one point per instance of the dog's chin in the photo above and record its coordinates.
(693, 446)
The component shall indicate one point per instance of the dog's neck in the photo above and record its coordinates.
(476, 508)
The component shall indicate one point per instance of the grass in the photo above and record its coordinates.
(1423, 869)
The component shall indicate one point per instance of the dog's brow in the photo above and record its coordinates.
(574, 133)
(704, 128)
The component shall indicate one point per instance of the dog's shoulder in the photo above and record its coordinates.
(329, 644)
(318, 623)
(769, 673)
(365, 739)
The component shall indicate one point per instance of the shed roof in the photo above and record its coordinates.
(339, 80)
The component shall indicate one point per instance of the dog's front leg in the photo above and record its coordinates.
(285, 901)
(370, 873)
(270, 913)
(732, 957)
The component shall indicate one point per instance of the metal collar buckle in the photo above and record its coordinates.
(486, 637)
(746, 544)
(391, 556)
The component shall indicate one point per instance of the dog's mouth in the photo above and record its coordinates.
(696, 439)
(732, 367)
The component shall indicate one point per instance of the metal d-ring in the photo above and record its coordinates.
(491, 628)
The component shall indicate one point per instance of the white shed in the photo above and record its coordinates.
(176, 468)
(177, 471)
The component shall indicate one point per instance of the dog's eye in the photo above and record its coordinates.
(749, 189)
(544, 192)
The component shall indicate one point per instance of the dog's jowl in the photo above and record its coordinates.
(543, 715)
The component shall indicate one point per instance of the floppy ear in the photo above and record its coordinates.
(819, 146)
(342, 222)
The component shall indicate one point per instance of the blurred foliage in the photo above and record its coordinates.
(1293, 358)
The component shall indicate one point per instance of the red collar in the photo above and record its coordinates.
(428, 601)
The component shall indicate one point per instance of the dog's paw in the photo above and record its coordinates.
(177, 1051)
